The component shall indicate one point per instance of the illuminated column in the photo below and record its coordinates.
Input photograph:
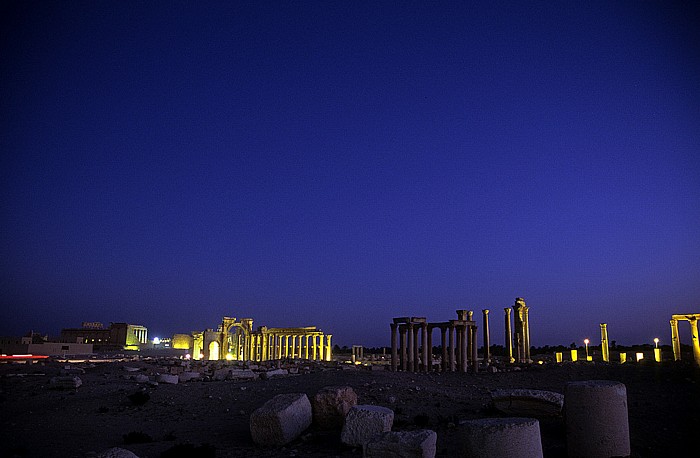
(470, 317)
(464, 350)
(451, 330)
(675, 340)
(410, 347)
(320, 347)
(329, 348)
(604, 342)
(264, 350)
(301, 347)
(443, 341)
(429, 353)
(475, 356)
(509, 337)
(306, 347)
(394, 349)
(402, 345)
(487, 350)
(694, 335)
(526, 333)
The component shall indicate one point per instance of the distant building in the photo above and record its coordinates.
(35, 344)
(117, 337)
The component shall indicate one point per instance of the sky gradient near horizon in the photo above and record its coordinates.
(342, 163)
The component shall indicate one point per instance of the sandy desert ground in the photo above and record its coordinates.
(39, 421)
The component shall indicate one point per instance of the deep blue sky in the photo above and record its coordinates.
(342, 163)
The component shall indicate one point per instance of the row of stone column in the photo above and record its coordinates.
(141, 335)
(458, 339)
(267, 346)
(520, 336)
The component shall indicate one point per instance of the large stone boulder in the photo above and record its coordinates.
(404, 444)
(281, 419)
(273, 373)
(331, 404)
(363, 422)
(527, 403)
(187, 376)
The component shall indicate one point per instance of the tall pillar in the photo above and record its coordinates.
(519, 337)
(526, 333)
(675, 340)
(264, 354)
(694, 336)
(465, 343)
(451, 330)
(475, 356)
(402, 347)
(416, 353)
(329, 348)
(470, 317)
(394, 349)
(509, 337)
(443, 343)
(428, 342)
(321, 348)
(410, 347)
(458, 349)
(604, 342)
(487, 350)
(306, 347)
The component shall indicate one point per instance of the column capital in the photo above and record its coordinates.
(485, 311)
(507, 310)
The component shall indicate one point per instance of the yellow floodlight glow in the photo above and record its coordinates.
(156, 340)
(640, 356)
(229, 357)
(656, 342)
(586, 341)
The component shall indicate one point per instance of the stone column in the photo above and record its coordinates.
(526, 333)
(463, 351)
(451, 330)
(443, 341)
(394, 349)
(458, 348)
(306, 346)
(487, 350)
(475, 356)
(264, 349)
(410, 347)
(416, 353)
(329, 348)
(402, 335)
(509, 337)
(675, 340)
(604, 342)
(470, 317)
(321, 348)
(429, 353)
(694, 335)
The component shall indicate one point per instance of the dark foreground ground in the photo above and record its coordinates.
(37, 421)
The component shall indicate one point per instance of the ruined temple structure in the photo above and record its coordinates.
(458, 338)
(239, 341)
(692, 319)
(521, 333)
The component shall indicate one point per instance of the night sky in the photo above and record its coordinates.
(341, 163)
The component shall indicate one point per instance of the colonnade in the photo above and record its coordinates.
(458, 339)
(236, 340)
(692, 319)
(141, 333)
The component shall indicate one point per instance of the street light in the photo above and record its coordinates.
(656, 342)
(586, 341)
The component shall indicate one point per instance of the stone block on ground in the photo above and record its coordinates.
(116, 452)
(187, 376)
(227, 373)
(65, 382)
(273, 373)
(281, 419)
(363, 422)
(141, 378)
(331, 404)
(167, 378)
(404, 444)
(527, 403)
(502, 438)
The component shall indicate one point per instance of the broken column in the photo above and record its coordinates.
(502, 438)
(596, 419)
(363, 422)
(331, 404)
(604, 342)
(409, 444)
